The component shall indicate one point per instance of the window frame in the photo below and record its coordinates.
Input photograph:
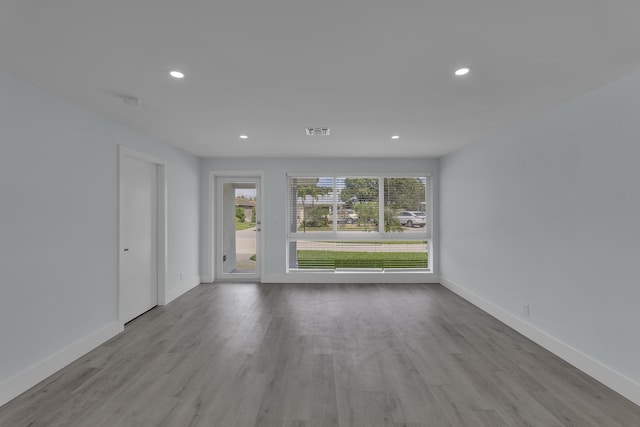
(425, 233)
(422, 233)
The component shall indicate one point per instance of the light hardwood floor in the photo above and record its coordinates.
(319, 355)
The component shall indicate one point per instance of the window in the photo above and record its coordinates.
(363, 223)
(311, 201)
(359, 200)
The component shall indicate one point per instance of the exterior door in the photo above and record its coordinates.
(139, 233)
(238, 228)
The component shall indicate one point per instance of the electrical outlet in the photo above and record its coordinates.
(526, 310)
(182, 275)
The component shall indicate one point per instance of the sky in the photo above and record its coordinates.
(246, 192)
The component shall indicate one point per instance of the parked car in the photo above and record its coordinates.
(345, 216)
(412, 218)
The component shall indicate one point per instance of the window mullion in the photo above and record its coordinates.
(335, 205)
(381, 205)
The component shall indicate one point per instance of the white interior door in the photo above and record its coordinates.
(139, 233)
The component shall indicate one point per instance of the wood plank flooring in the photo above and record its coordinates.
(319, 355)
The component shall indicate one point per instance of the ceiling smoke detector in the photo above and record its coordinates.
(132, 100)
(318, 131)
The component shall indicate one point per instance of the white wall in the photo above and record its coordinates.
(58, 222)
(275, 202)
(549, 214)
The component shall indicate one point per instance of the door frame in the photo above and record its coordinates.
(161, 229)
(212, 223)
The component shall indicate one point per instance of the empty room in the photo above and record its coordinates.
(319, 213)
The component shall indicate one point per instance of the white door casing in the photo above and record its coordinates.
(222, 223)
(142, 248)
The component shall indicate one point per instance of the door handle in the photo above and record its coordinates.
(126, 250)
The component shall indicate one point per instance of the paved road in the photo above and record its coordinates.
(356, 247)
(245, 248)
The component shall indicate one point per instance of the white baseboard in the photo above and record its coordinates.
(606, 375)
(31, 376)
(206, 279)
(182, 288)
(351, 277)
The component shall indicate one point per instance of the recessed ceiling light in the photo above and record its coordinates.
(244, 137)
(395, 137)
(176, 74)
(462, 71)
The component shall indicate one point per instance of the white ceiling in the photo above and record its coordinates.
(368, 69)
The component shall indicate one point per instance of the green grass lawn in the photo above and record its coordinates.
(341, 227)
(380, 242)
(244, 225)
(336, 259)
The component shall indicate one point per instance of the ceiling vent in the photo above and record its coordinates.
(318, 131)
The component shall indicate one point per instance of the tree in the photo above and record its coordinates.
(358, 190)
(367, 214)
(239, 214)
(315, 192)
(404, 193)
(391, 223)
(400, 194)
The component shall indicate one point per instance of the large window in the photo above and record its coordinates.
(359, 223)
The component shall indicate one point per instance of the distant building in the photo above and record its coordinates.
(248, 206)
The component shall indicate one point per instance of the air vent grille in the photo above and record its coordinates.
(318, 131)
(132, 100)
